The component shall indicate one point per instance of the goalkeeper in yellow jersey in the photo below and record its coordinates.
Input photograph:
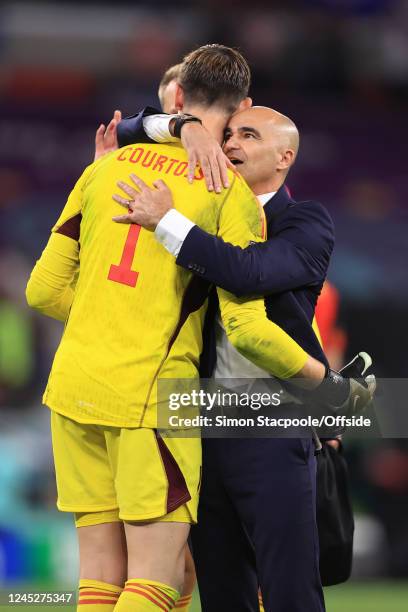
(131, 317)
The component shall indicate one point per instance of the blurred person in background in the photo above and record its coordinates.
(333, 337)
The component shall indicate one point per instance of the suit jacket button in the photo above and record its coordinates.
(190, 266)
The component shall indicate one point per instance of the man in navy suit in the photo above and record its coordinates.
(257, 508)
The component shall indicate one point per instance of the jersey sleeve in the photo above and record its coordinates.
(255, 336)
(50, 288)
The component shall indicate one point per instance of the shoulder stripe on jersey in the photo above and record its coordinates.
(194, 297)
(71, 228)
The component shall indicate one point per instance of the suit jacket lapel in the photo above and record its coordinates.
(277, 204)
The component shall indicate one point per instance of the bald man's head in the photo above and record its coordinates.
(263, 144)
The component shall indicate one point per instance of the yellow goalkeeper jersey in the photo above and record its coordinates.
(134, 315)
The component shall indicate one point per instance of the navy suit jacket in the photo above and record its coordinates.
(288, 269)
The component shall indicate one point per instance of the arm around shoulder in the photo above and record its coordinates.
(131, 129)
(297, 255)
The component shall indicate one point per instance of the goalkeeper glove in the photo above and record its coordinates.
(348, 392)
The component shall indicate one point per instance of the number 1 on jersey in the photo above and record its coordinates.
(123, 272)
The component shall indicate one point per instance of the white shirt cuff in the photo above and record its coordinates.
(172, 230)
(157, 128)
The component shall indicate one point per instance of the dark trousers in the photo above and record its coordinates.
(257, 526)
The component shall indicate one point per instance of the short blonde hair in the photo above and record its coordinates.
(170, 75)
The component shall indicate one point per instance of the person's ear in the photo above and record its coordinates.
(246, 103)
(286, 160)
(179, 100)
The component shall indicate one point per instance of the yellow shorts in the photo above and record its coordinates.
(129, 474)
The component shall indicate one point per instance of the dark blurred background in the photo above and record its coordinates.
(339, 68)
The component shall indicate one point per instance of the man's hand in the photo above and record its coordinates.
(203, 149)
(146, 206)
(106, 139)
